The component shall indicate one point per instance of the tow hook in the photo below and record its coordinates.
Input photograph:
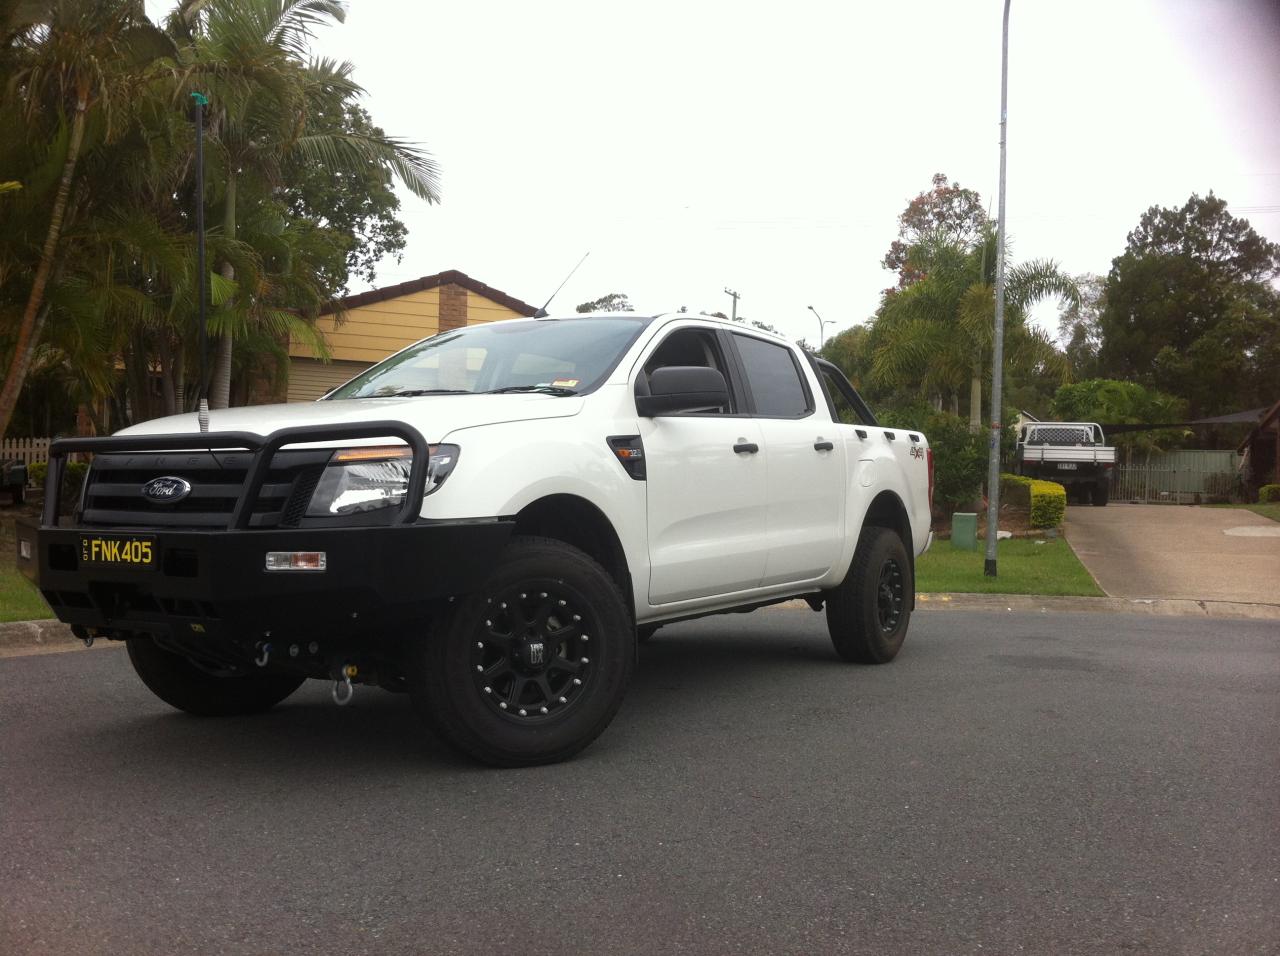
(264, 653)
(343, 689)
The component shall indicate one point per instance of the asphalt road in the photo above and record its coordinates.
(1014, 783)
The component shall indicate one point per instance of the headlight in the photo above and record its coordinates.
(367, 479)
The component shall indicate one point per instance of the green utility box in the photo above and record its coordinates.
(964, 531)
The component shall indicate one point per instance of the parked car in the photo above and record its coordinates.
(1074, 454)
(488, 520)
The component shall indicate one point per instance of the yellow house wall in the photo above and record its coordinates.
(372, 332)
(480, 309)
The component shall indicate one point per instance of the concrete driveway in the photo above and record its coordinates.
(1172, 551)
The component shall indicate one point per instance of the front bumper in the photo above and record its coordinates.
(208, 585)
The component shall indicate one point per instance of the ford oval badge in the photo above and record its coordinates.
(166, 489)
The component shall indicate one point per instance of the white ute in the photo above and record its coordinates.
(491, 519)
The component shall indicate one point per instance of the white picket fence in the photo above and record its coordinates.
(1177, 478)
(26, 450)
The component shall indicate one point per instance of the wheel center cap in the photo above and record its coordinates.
(533, 653)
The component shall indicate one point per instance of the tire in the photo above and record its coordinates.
(179, 683)
(868, 614)
(532, 668)
(1084, 494)
(1101, 493)
(646, 631)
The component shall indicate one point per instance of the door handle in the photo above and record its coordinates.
(749, 447)
(823, 446)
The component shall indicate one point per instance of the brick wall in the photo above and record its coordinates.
(453, 307)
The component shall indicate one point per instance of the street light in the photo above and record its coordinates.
(822, 324)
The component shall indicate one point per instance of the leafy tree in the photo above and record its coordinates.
(946, 214)
(936, 335)
(1191, 308)
(74, 69)
(851, 351)
(613, 302)
(260, 124)
(1079, 331)
(354, 209)
(1121, 403)
(97, 251)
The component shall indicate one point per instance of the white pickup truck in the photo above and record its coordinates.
(1074, 454)
(491, 519)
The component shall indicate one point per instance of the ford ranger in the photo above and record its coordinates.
(491, 520)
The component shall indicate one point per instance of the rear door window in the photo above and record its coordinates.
(773, 378)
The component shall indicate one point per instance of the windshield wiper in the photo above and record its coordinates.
(547, 389)
(404, 392)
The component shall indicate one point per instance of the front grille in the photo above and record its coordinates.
(113, 494)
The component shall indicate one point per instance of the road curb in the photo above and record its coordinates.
(35, 635)
(1156, 607)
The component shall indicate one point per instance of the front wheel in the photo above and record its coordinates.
(181, 684)
(868, 613)
(532, 668)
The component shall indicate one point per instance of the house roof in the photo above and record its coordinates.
(1272, 414)
(449, 277)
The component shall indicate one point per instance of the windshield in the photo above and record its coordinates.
(556, 356)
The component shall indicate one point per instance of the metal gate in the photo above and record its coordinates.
(1177, 477)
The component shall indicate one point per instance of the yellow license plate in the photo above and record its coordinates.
(118, 550)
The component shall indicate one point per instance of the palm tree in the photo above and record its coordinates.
(72, 67)
(938, 332)
(248, 56)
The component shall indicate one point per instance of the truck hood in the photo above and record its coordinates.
(433, 415)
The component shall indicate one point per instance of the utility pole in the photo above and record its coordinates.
(735, 296)
(997, 356)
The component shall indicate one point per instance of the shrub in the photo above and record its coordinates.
(36, 472)
(1015, 490)
(1048, 504)
(959, 456)
(1269, 493)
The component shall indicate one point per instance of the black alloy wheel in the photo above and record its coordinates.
(890, 599)
(532, 654)
(869, 612)
(533, 667)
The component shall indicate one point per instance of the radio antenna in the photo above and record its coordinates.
(542, 312)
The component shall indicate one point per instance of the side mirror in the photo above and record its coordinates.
(682, 388)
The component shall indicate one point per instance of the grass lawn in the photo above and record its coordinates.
(19, 600)
(1269, 510)
(1023, 566)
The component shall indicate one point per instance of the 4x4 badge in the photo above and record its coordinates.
(166, 489)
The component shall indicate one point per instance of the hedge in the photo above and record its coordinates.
(1268, 493)
(1046, 499)
(72, 478)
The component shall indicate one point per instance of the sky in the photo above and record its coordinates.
(691, 146)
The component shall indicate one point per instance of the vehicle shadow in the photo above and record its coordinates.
(696, 671)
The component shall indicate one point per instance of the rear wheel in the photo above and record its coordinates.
(1101, 493)
(181, 684)
(868, 614)
(534, 667)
